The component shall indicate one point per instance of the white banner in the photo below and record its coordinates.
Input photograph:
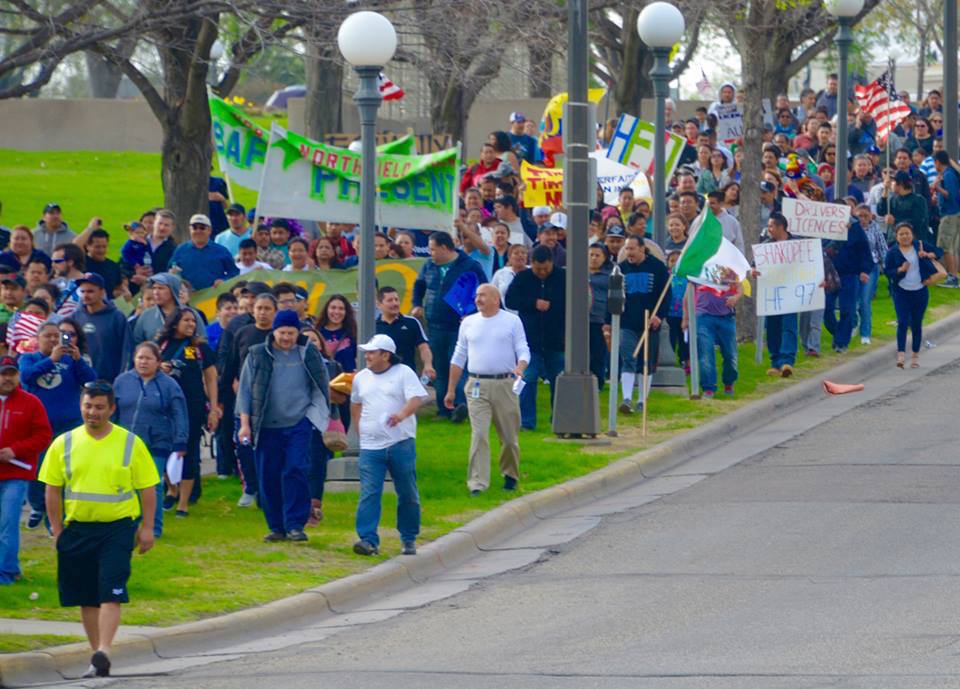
(791, 273)
(612, 177)
(815, 219)
(293, 186)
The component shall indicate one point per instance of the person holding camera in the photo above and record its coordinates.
(188, 359)
(55, 374)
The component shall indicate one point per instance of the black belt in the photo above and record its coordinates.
(491, 376)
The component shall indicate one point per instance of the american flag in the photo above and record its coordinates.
(703, 86)
(388, 90)
(880, 100)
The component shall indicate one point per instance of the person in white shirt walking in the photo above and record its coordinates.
(495, 345)
(385, 397)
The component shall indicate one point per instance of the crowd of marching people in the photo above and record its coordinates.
(277, 383)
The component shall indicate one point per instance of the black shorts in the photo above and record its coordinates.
(93, 562)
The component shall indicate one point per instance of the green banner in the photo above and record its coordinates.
(240, 143)
(303, 178)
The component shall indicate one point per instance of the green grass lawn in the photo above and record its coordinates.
(214, 561)
(20, 643)
(117, 187)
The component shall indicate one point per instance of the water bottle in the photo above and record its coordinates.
(425, 380)
(147, 260)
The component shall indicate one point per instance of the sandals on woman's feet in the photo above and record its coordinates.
(915, 361)
(900, 360)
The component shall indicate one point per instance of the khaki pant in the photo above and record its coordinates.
(498, 402)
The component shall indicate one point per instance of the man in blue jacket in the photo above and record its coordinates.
(437, 278)
(853, 262)
(200, 261)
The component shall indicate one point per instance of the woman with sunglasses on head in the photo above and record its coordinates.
(55, 374)
(910, 268)
(152, 405)
(186, 356)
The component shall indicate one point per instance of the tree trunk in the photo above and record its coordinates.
(922, 65)
(541, 71)
(104, 77)
(185, 170)
(757, 78)
(634, 84)
(324, 88)
(449, 110)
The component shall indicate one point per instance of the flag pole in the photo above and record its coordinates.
(643, 338)
(646, 366)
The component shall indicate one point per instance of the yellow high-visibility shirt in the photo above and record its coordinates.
(99, 477)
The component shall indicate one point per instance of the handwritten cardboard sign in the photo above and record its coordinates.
(791, 273)
(815, 219)
(729, 122)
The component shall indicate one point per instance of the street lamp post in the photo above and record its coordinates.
(844, 11)
(660, 26)
(367, 40)
(576, 405)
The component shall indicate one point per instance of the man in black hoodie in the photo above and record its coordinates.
(853, 262)
(109, 338)
(538, 295)
(644, 278)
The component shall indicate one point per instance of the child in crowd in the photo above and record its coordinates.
(226, 310)
(136, 250)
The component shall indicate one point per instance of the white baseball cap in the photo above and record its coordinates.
(559, 220)
(200, 219)
(541, 210)
(377, 342)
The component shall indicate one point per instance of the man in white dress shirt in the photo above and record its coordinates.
(494, 344)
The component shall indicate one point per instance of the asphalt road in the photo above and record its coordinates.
(831, 559)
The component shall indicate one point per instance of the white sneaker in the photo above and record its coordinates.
(864, 340)
(246, 500)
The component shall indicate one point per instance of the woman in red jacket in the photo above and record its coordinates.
(24, 434)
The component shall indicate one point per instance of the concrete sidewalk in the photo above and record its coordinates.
(505, 538)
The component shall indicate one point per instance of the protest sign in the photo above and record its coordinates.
(320, 284)
(551, 123)
(729, 122)
(240, 143)
(791, 273)
(544, 185)
(612, 177)
(632, 144)
(308, 179)
(815, 219)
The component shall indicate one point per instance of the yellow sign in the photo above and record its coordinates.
(544, 185)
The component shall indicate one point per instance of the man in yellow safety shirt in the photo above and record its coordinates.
(93, 473)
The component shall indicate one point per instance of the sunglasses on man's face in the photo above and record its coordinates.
(199, 227)
(98, 386)
(58, 260)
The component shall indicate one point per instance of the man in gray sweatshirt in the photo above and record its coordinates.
(283, 394)
(109, 339)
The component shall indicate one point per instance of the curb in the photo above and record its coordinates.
(448, 551)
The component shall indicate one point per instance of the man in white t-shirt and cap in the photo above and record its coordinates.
(385, 398)
(495, 345)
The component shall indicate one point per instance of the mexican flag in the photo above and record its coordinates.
(708, 258)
